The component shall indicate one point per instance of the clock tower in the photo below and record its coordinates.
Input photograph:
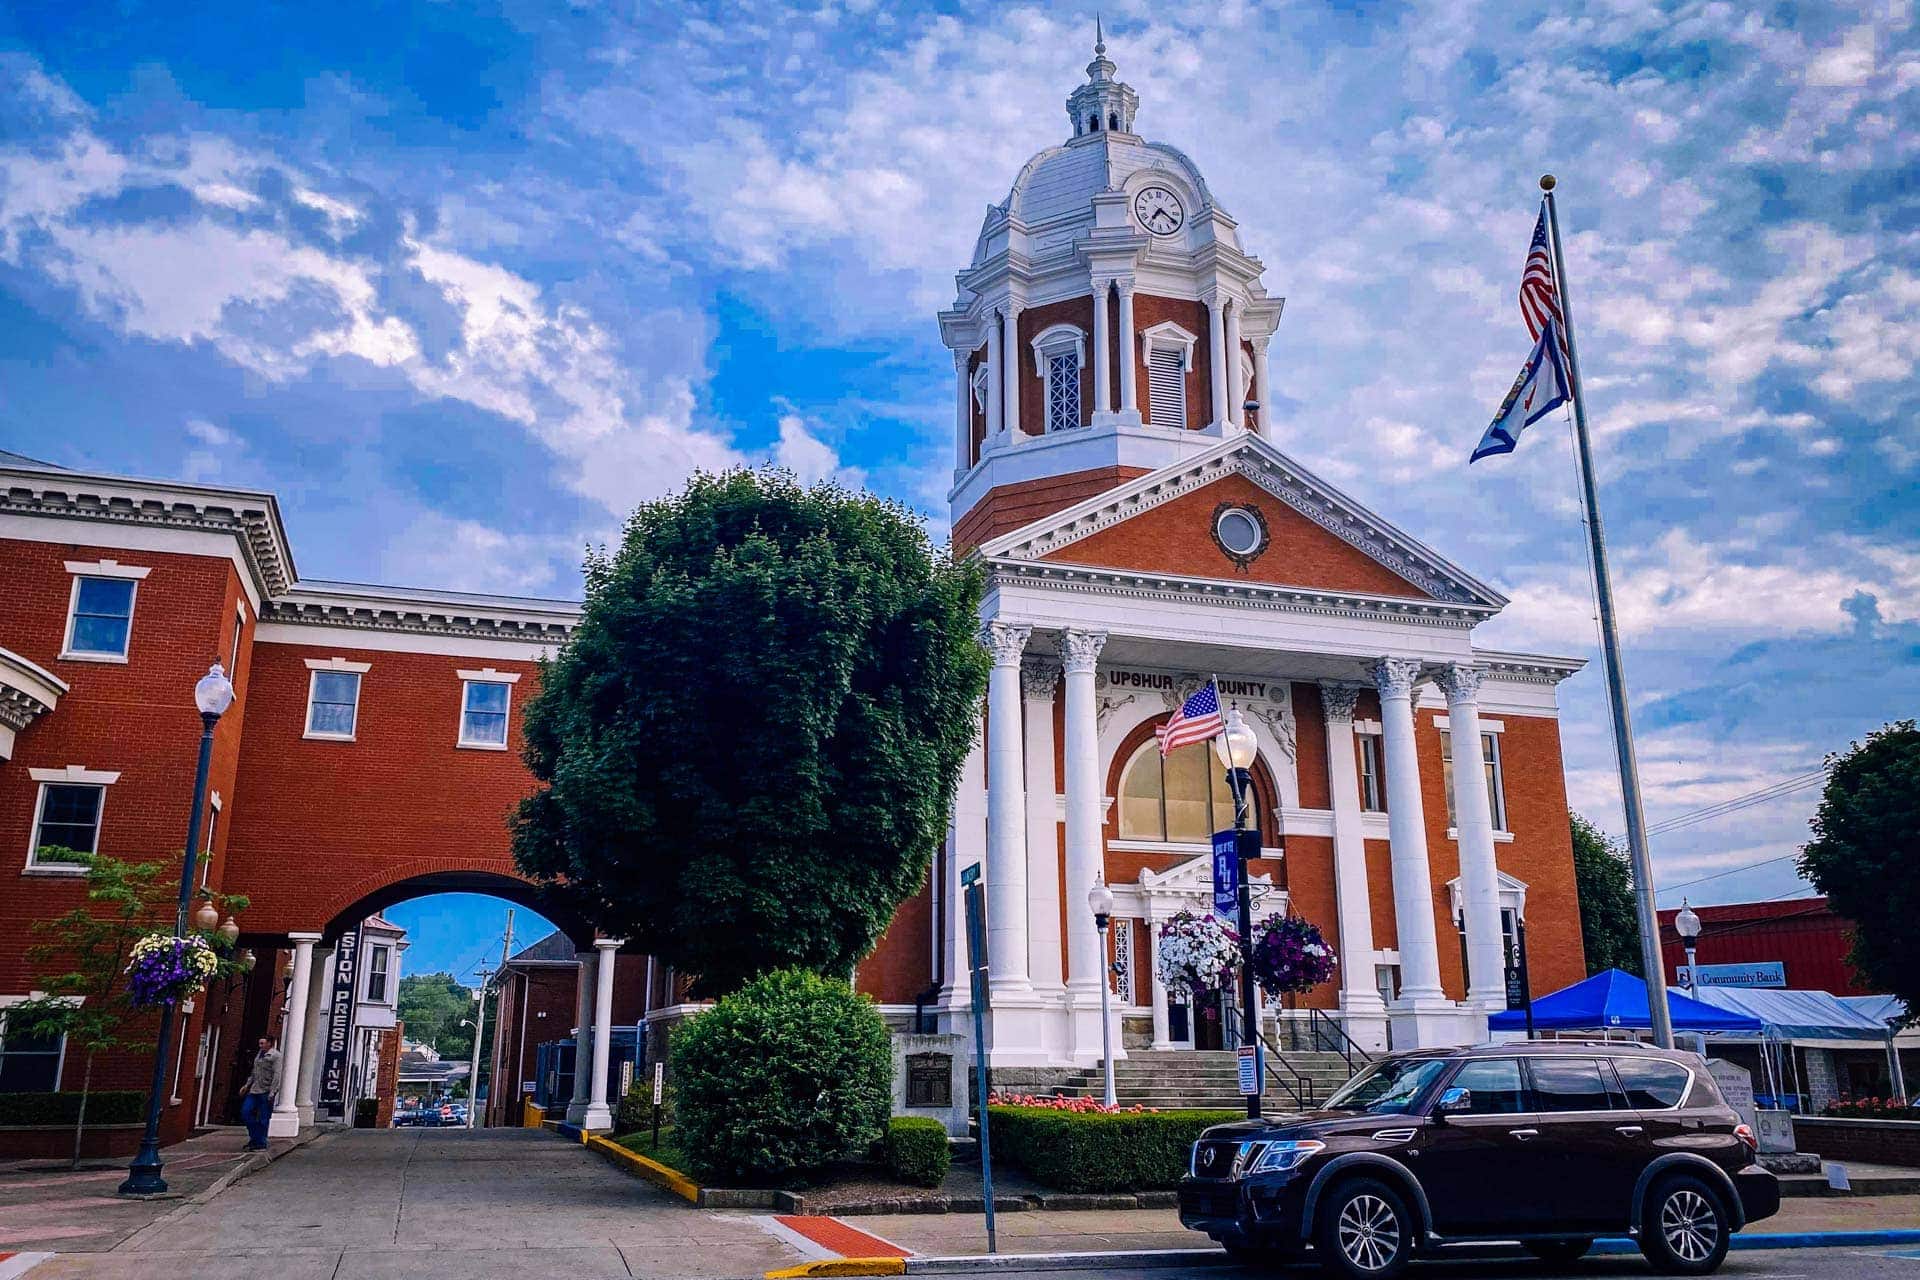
(1109, 323)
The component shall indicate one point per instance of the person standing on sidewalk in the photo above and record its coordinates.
(256, 1109)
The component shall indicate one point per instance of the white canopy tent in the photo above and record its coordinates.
(1817, 1020)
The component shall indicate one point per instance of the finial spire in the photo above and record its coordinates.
(1103, 104)
(1099, 38)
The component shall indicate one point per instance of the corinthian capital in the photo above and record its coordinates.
(1038, 677)
(1340, 697)
(1395, 677)
(1460, 682)
(1005, 641)
(1081, 649)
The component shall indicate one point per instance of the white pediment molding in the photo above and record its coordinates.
(1246, 454)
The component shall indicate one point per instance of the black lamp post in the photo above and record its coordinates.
(1236, 746)
(213, 695)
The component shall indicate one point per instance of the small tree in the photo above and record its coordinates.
(432, 1005)
(82, 991)
(1865, 855)
(748, 747)
(1609, 925)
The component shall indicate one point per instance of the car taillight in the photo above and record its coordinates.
(1745, 1135)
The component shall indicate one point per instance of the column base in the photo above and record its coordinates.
(597, 1119)
(283, 1124)
(1365, 1022)
(1083, 1024)
(1427, 1023)
(305, 1113)
(576, 1113)
(1018, 1027)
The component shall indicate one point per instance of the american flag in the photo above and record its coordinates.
(1197, 720)
(1539, 302)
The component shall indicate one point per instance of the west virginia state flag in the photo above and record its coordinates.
(1540, 389)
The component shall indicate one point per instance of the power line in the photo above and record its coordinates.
(1731, 871)
(1772, 791)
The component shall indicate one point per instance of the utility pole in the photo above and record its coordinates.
(479, 1034)
(499, 1016)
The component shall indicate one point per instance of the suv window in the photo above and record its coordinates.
(1652, 1083)
(1389, 1087)
(1496, 1087)
(1568, 1084)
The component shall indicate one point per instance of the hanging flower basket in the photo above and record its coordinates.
(1197, 954)
(1289, 955)
(166, 970)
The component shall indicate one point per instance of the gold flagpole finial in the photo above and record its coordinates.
(1546, 182)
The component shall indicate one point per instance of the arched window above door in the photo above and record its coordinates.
(1182, 799)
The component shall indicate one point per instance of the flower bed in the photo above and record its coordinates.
(1075, 1149)
(1056, 1102)
(1872, 1109)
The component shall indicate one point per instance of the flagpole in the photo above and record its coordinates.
(1638, 854)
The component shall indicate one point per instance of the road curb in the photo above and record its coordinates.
(1138, 1259)
(842, 1267)
(652, 1170)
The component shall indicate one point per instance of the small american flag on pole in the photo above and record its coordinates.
(1197, 720)
(1539, 302)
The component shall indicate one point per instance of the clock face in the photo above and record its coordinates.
(1158, 210)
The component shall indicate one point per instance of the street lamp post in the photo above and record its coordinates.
(213, 694)
(1687, 925)
(1100, 899)
(1236, 747)
(479, 1026)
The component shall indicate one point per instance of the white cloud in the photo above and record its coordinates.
(810, 458)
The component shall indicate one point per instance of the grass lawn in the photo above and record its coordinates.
(641, 1143)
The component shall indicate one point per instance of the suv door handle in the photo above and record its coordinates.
(1629, 1130)
(1524, 1134)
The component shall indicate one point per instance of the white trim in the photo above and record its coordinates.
(76, 774)
(114, 572)
(489, 675)
(468, 679)
(1185, 849)
(314, 670)
(338, 664)
(445, 644)
(106, 569)
(60, 1055)
(72, 776)
(1173, 337)
(1486, 725)
(1055, 340)
(1368, 726)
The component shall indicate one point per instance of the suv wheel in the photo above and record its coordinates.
(1364, 1230)
(1683, 1231)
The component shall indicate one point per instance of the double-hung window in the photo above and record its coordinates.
(67, 814)
(1373, 794)
(28, 1063)
(1059, 351)
(486, 697)
(333, 698)
(100, 613)
(378, 963)
(1490, 766)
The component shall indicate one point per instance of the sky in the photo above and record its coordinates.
(464, 283)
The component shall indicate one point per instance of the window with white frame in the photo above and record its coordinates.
(486, 697)
(1490, 765)
(1059, 352)
(379, 965)
(100, 610)
(233, 655)
(67, 814)
(1169, 353)
(333, 698)
(1373, 792)
(206, 849)
(1182, 798)
(29, 1063)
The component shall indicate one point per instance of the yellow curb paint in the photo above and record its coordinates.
(653, 1171)
(843, 1267)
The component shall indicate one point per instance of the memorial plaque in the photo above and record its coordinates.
(1736, 1086)
(929, 1080)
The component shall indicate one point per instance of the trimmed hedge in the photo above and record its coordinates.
(104, 1106)
(1101, 1151)
(916, 1151)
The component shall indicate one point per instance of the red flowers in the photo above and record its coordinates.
(1054, 1102)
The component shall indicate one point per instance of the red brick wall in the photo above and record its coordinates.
(1077, 312)
(1010, 506)
(900, 966)
(1177, 537)
(1191, 316)
(386, 1080)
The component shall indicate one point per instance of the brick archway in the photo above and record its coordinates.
(426, 876)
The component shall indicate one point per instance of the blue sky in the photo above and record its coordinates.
(463, 283)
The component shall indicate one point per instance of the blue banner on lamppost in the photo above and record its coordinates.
(1226, 878)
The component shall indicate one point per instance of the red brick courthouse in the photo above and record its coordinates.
(1115, 470)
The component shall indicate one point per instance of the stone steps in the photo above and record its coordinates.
(1172, 1079)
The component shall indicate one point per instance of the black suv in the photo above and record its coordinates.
(1547, 1143)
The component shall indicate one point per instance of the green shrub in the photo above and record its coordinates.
(781, 1078)
(1100, 1151)
(635, 1111)
(916, 1152)
(104, 1106)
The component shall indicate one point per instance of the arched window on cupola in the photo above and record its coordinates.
(1113, 121)
(1059, 354)
(1093, 124)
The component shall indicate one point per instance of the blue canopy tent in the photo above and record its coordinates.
(1614, 1000)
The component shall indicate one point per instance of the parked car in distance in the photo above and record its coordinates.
(1546, 1143)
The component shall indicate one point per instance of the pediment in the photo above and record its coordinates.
(1319, 537)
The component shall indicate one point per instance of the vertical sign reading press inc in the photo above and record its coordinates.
(333, 1071)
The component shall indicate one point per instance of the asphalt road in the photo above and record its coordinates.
(1784, 1264)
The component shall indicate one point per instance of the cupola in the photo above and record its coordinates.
(1103, 104)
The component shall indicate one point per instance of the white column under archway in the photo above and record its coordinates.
(583, 1037)
(606, 954)
(1102, 353)
(1360, 1003)
(1006, 868)
(285, 1122)
(1039, 678)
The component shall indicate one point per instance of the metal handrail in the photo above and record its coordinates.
(1345, 1047)
(1300, 1087)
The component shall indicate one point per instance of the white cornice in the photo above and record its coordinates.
(27, 690)
(371, 608)
(1527, 668)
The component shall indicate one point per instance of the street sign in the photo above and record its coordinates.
(659, 1081)
(1249, 1065)
(1753, 973)
(1226, 878)
(626, 1076)
(976, 899)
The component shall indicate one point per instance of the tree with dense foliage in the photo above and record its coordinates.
(780, 1079)
(748, 747)
(81, 962)
(1865, 855)
(1609, 924)
(431, 1005)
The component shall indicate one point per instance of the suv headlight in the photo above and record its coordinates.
(1279, 1157)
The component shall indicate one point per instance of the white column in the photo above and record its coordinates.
(1129, 354)
(1157, 990)
(1039, 677)
(966, 845)
(1412, 880)
(1102, 355)
(285, 1122)
(1086, 963)
(1217, 353)
(599, 1115)
(996, 375)
(1006, 868)
(314, 1039)
(1473, 820)
(1236, 383)
(1263, 388)
(582, 1037)
(1010, 343)
(962, 414)
(1359, 997)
